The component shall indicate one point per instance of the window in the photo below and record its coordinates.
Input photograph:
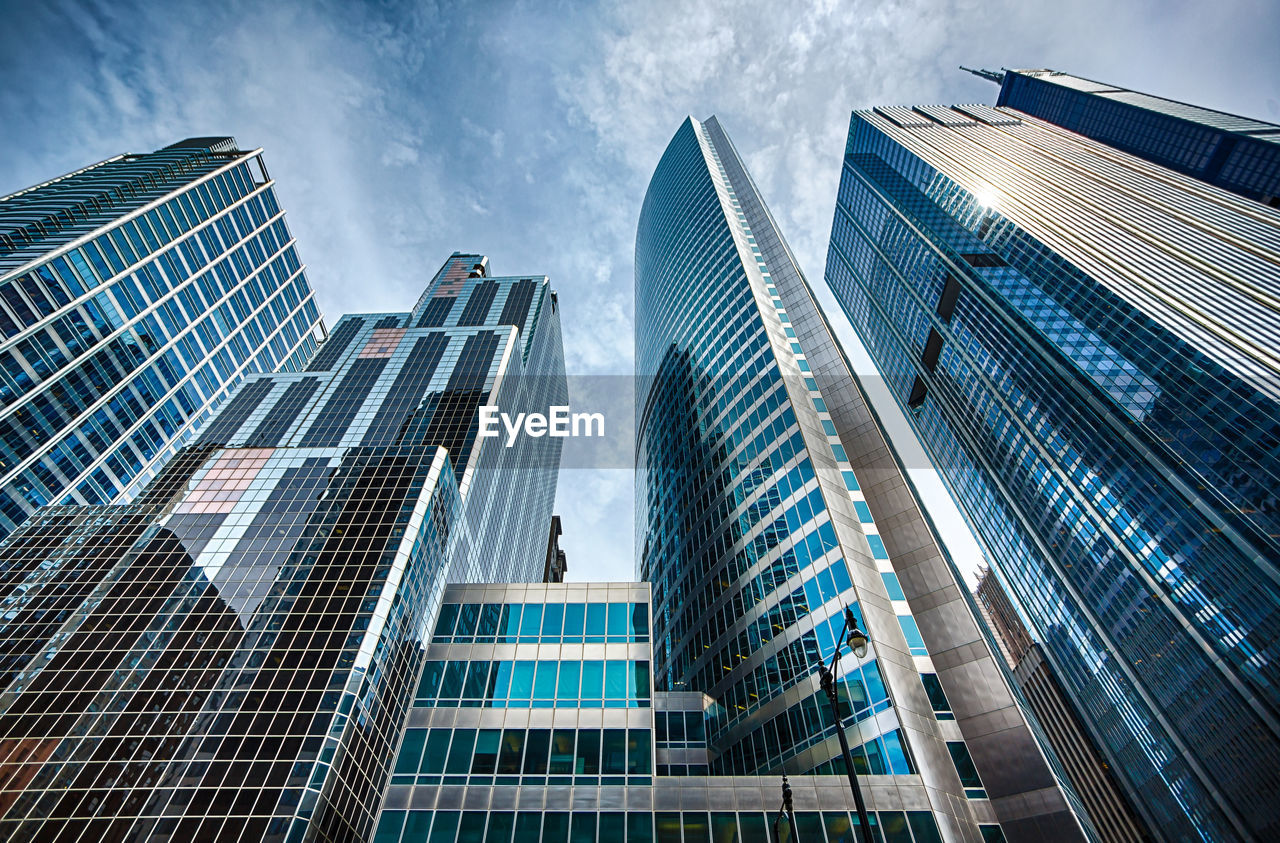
(965, 768)
(937, 698)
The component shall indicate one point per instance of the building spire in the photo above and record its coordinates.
(989, 75)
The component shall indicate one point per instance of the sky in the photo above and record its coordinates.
(399, 133)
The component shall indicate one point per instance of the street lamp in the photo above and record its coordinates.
(785, 816)
(857, 641)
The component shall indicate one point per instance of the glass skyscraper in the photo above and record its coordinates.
(1235, 153)
(1086, 342)
(768, 500)
(234, 654)
(134, 294)
(536, 720)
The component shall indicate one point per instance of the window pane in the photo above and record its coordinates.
(964, 764)
(530, 622)
(808, 825)
(468, 617)
(584, 828)
(694, 726)
(472, 830)
(415, 827)
(574, 617)
(641, 671)
(485, 761)
(555, 827)
(668, 826)
(640, 621)
(895, 752)
(595, 622)
(444, 827)
(937, 697)
(640, 827)
(448, 617)
(875, 757)
(562, 752)
(389, 827)
(464, 741)
(477, 681)
(522, 681)
(619, 622)
(451, 687)
(535, 752)
(437, 749)
(839, 829)
(638, 754)
(411, 750)
(615, 680)
(588, 756)
(501, 680)
(512, 748)
(724, 827)
(528, 827)
(698, 830)
(490, 621)
(592, 680)
(552, 621)
(510, 622)
(924, 827)
(429, 685)
(612, 827)
(675, 727)
(614, 760)
(753, 828)
(567, 686)
(500, 825)
(544, 686)
(893, 825)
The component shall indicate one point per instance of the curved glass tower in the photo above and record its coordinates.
(755, 530)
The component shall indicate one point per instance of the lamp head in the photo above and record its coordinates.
(857, 639)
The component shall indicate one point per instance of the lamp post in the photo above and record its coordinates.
(785, 814)
(857, 641)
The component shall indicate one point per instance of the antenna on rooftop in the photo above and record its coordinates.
(990, 75)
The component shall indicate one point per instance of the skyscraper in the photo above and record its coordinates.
(1235, 153)
(234, 654)
(134, 294)
(1086, 343)
(768, 500)
(1091, 776)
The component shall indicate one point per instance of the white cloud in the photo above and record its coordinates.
(400, 132)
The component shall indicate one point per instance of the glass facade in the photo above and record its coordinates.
(1235, 153)
(1085, 342)
(134, 294)
(235, 654)
(572, 771)
(753, 526)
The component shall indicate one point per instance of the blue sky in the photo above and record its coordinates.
(401, 132)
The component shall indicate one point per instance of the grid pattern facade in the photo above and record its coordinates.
(1234, 153)
(245, 655)
(747, 524)
(235, 654)
(579, 773)
(134, 294)
(1085, 342)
